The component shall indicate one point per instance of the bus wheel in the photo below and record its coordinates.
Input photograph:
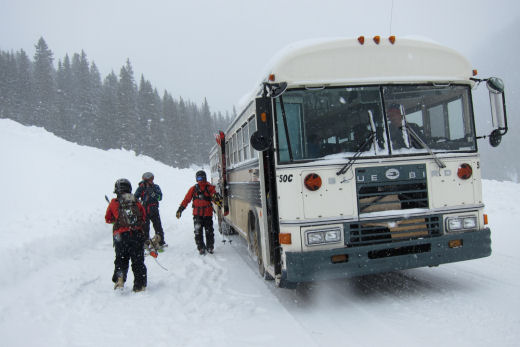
(254, 243)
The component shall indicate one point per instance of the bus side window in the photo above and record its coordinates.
(252, 129)
(234, 149)
(238, 144)
(227, 154)
(245, 140)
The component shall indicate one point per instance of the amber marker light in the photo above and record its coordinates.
(340, 258)
(272, 77)
(485, 219)
(455, 243)
(263, 117)
(475, 72)
(377, 39)
(361, 39)
(392, 39)
(284, 238)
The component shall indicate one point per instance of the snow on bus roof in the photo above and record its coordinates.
(344, 61)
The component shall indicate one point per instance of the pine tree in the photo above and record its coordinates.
(108, 110)
(170, 115)
(82, 96)
(5, 91)
(127, 117)
(207, 132)
(96, 122)
(185, 150)
(44, 88)
(65, 86)
(24, 87)
(148, 118)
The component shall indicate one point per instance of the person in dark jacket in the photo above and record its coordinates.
(202, 194)
(150, 194)
(128, 236)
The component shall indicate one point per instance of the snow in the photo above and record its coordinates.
(57, 262)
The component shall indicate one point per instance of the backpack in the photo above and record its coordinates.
(130, 215)
(201, 194)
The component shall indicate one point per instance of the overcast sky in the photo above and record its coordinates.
(217, 49)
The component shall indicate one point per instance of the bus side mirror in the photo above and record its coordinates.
(497, 102)
(262, 138)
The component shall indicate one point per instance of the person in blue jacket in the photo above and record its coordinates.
(150, 194)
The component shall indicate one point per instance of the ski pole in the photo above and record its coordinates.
(154, 253)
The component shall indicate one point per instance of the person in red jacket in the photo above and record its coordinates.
(128, 217)
(202, 194)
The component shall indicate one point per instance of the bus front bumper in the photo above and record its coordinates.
(372, 259)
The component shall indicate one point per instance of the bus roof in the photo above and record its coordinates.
(346, 61)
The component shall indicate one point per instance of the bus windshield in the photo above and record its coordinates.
(333, 123)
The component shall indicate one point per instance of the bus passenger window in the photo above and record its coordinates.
(252, 129)
(239, 149)
(245, 140)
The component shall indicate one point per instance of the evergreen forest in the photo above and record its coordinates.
(75, 103)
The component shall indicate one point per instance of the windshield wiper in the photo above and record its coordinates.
(360, 149)
(417, 138)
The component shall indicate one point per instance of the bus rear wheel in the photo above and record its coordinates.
(255, 245)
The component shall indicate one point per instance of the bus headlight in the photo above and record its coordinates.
(316, 237)
(470, 222)
(454, 224)
(461, 223)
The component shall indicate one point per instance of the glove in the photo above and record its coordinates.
(217, 199)
(179, 212)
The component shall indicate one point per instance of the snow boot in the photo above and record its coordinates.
(138, 289)
(210, 250)
(202, 251)
(120, 283)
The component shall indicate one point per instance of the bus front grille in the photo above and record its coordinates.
(392, 197)
(388, 188)
(393, 230)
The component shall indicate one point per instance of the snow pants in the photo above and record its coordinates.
(205, 223)
(152, 214)
(130, 246)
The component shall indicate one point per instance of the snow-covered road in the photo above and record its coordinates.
(57, 262)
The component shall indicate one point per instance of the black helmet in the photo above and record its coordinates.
(147, 176)
(122, 186)
(200, 176)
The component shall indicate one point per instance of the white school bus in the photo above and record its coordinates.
(358, 156)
